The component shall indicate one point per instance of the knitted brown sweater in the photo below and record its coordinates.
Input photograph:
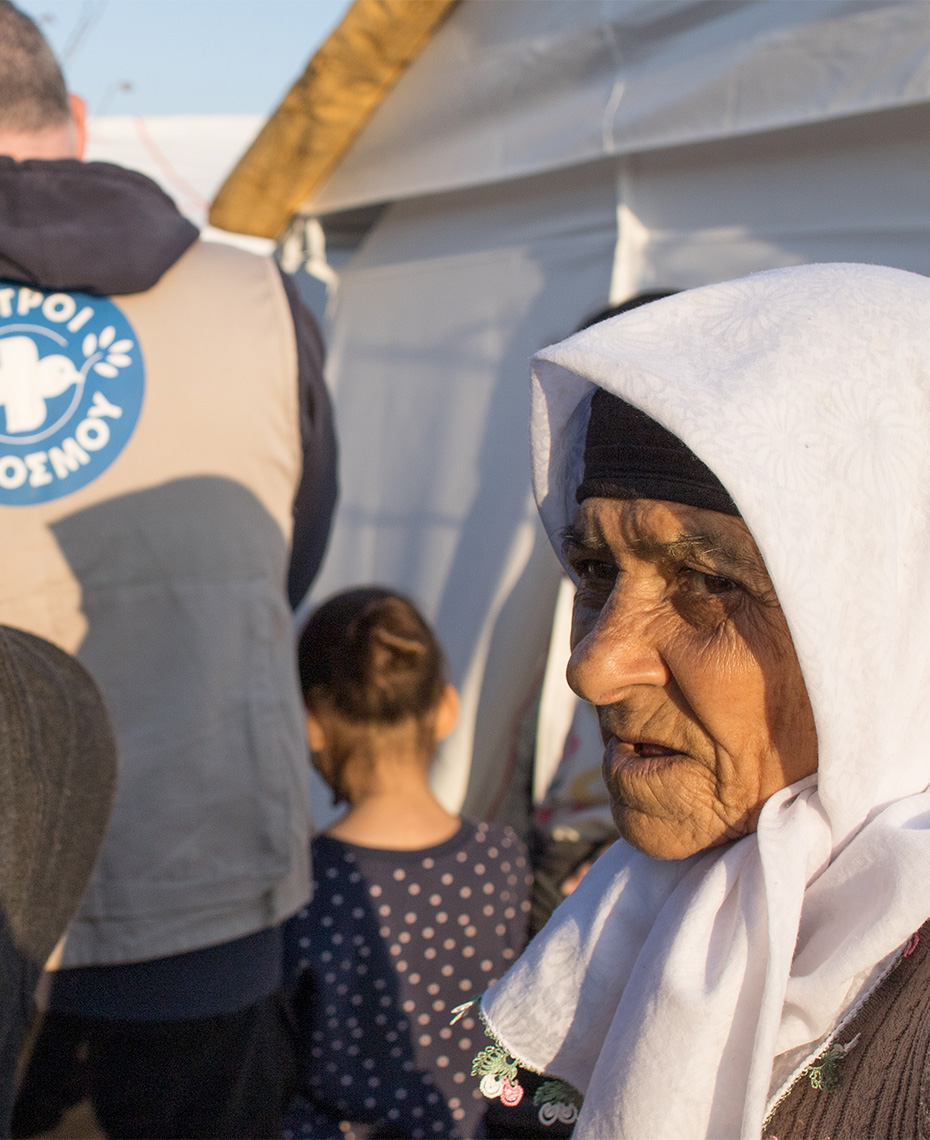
(880, 1089)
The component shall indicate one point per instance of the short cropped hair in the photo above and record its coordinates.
(33, 95)
(370, 655)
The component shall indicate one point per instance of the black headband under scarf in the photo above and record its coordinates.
(627, 455)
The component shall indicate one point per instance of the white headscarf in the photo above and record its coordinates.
(682, 997)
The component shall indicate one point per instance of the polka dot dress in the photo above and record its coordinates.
(391, 943)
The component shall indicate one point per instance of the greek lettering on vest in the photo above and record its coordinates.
(72, 381)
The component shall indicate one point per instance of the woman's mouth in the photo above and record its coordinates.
(638, 756)
(646, 749)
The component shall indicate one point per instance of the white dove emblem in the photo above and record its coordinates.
(27, 381)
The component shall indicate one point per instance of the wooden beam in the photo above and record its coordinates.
(321, 115)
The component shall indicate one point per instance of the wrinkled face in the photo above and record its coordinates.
(678, 638)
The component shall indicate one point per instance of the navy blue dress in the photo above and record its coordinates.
(392, 942)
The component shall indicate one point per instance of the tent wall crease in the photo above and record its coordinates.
(323, 112)
(435, 318)
(509, 89)
(854, 190)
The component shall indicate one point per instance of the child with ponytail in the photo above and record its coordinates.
(415, 911)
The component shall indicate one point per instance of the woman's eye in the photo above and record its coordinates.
(703, 583)
(592, 571)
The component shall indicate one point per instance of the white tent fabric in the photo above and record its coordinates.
(189, 156)
(511, 89)
(437, 315)
(853, 190)
(539, 159)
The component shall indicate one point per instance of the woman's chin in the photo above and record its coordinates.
(662, 838)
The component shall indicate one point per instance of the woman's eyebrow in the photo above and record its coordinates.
(574, 540)
(710, 549)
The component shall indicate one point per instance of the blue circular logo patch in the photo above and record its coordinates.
(71, 387)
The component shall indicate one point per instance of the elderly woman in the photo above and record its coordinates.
(738, 479)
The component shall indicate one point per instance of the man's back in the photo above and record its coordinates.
(164, 572)
(167, 471)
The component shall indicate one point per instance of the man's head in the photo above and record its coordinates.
(38, 118)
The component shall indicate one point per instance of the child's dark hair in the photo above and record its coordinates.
(369, 654)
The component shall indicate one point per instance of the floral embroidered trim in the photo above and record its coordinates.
(557, 1100)
(826, 1075)
(498, 1072)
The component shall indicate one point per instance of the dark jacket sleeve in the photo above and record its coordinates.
(316, 494)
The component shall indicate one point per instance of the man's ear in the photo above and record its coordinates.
(447, 714)
(79, 124)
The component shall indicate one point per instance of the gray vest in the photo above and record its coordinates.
(148, 464)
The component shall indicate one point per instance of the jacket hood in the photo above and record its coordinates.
(88, 227)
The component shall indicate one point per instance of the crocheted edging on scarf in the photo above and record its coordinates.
(826, 1076)
(556, 1100)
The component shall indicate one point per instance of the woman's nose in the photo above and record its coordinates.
(616, 647)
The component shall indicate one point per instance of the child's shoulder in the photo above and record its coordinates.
(331, 858)
(327, 847)
(474, 841)
(496, 840)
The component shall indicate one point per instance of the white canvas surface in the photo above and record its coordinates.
(725, 138)
(436, 317)
(189, 156)
(509, 89)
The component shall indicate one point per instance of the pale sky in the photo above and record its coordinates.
(183, 56)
